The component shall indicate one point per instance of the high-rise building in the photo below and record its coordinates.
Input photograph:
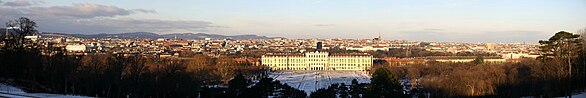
(319, 46)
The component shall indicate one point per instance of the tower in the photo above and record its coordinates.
(379, 36)
(319, 46)
(175, 37)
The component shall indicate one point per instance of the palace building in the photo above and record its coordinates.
(317, 61)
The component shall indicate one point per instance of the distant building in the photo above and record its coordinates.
(377, 38)
(317, 61)
(464, 59)
(490, 46)
(32, 37)
(368, 48)
(401, 61)
(518, 55)
(319, 46)
(76, 48)
(161, 39)
(470, 60)
(251, 61)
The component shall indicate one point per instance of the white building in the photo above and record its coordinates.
(317, 61)
(76, 48)
(368, 48)
(470, 60)
(161, 39)
(517, 55)
(32, 37)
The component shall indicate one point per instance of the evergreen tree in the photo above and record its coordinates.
(563, 47)
(356, 89)
(478, 60)
(323, 93)
(264, 88)
(384, 84)
(343, 91)
(237, 85)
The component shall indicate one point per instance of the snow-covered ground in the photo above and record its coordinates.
(310, 81)
(14, 92)
(581, 95)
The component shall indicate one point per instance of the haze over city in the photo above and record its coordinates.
(422, 20)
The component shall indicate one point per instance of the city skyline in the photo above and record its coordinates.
(452, 21)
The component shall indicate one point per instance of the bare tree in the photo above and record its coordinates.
(582, 33)
(22, 27)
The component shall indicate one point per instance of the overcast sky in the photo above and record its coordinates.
(422, 20)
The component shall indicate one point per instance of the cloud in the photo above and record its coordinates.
(109, 25)
(21, 3)
(97, 18)
(145, 11)
(86, 10)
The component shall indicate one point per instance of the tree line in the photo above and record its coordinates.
(559, 71)
(241, 87)
(47, 69)
(384, 83)
(107, 75)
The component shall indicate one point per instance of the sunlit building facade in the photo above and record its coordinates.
(317, 61)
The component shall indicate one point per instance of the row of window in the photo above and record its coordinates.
(317, 56)
(315, 68)
(317, 59)
(346, 68)
(349, 64)
(331, 60)
(351, 60)
(360, 65)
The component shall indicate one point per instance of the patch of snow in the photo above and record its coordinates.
(310, 81)
(581, 95)
(14, 92)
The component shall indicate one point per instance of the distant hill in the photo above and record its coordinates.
(197, 36)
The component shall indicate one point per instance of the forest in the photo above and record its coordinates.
(106, 75)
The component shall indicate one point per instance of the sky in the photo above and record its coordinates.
(501, 21)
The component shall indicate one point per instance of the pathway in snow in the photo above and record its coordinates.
(310, 81)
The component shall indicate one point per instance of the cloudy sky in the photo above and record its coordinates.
(422, 20)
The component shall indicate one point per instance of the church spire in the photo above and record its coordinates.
(379, 36)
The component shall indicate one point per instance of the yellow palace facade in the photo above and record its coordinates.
(317, 61)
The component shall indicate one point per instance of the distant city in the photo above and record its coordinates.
(147, 44)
